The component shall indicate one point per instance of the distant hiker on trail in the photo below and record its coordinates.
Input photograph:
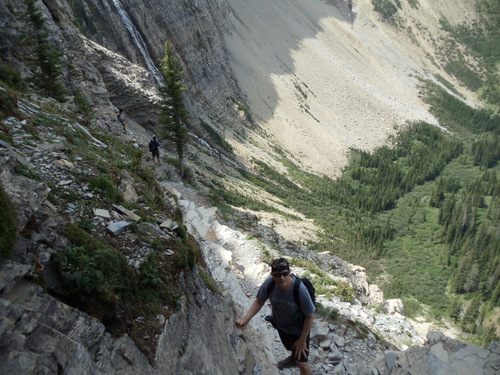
(135, 144)
(121, 117)
(292, 321)
(154, 148)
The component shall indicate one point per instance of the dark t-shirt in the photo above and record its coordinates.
(284, 308)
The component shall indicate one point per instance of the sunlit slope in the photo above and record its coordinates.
(321, 82)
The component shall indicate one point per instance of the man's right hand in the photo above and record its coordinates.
(241, 323)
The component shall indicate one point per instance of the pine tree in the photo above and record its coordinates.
(455, 309)
(48, 58)
(437, 194)
(461, 275)
(469, 321)
(173, 113)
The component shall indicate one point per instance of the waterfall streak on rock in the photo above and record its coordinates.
(138, 40)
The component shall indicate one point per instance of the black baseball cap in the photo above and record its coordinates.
(280, 264)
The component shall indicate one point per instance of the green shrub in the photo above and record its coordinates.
(104, 271)
(28, 172)
(8, 103)
(106, 188)
(322, 310)
(8, 230)
(470, 78)
(414, 3)
(11, 77)
(413, 307)
(386, 8)
(182, 232)
(149, 270)
(209, 282)
(185, 254)
(90, 266)
(79, 238)
(83, 105)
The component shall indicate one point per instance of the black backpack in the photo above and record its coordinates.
(296, 287)
(152, 146)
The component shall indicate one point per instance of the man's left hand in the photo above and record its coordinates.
(300, 349)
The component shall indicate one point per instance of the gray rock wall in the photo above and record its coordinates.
(102, 61)
(41, 335)
(203, 334)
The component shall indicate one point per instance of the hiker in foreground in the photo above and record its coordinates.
(154, 148)
(293, 313)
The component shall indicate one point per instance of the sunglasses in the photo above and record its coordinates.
(279, 274)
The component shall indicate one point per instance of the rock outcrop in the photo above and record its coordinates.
(42, 335)
(440, 355)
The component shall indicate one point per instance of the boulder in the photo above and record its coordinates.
(439, 355)
(393, 306)
(130, 194)
(117, 227)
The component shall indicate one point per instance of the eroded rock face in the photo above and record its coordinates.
(42, 335)
(199, 338)
(102, 61)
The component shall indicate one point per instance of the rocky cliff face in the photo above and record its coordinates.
(194, 29)
(102, 60)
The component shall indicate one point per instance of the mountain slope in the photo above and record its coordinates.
(321, 85)
(303, 80)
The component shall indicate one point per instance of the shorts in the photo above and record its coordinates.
(156, 153)
(289, 341)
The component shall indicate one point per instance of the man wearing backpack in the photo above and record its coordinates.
(293, 313)
(154, 148)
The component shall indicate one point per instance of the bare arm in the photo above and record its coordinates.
(254, 309)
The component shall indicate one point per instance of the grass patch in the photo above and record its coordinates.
(106, 188)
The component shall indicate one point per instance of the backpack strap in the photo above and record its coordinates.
(296, 288)
(270, 287)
